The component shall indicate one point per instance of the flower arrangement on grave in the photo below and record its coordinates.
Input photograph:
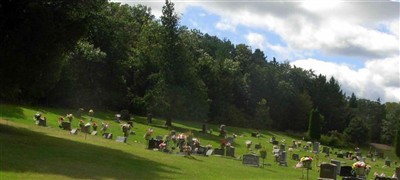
(306, 161)
(196, 142)
(162, 146)
(359, 168)
(148, 133)
(209, 146)
(104, 127)
(70, 117)
(186, 149)
(248, 144)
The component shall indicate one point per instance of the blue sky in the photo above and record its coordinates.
(357, 42)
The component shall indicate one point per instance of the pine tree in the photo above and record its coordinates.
(314, 125)
(397, 143)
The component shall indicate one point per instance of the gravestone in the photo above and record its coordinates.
(282, 158)
(42, 122)
(85, 129)
(282, 147)
(339, 155)
(74, 131)
(272, 139)
(328, 171)
(152, 144)
(107, 135)
(296, 157)
(209, 152)
(338, 165)
(94, 133)
(130, 123)
(358, 154)
(257, 146)
(387, 163)
(204, 128)
(66, 125)
(346, 171)
(294, 145)
(159, 137)
(325, 150)
(201, 150)
(121, 139)
(275, 142)
(251, 160)
(316, 147)
(230, 151)
(219, 152)
(254, 134)
(230, 140)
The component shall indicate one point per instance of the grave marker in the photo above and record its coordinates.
(66, 125)
(316, 147)
(338, 165)
(42, 122)
(219, 152)
(296, 157)
(387, 163)
(94, 133)
(121, 139)
(282, 147)
(202, 150)
(257, 146)
(275, 142)
(346, 171)
(282, 158)
(339, 155)
(74, 131)
(209, 152)
(328, 171)
(251, 160)
(107, 135)
(325, 150)
(230, 151)
(230, 140)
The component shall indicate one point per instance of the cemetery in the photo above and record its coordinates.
(141, 149)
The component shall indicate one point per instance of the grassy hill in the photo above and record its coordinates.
(28, 151)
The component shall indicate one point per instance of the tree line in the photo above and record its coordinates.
(105, 55)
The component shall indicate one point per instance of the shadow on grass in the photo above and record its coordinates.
(26, 151)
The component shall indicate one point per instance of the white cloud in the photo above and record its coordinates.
(379, 78)
(256, 40)
(225, 25)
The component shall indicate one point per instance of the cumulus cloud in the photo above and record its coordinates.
(380, 78)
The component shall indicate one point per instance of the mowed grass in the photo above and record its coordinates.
(28, 151)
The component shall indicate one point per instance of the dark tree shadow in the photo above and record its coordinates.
(12, 111)
(26, 151)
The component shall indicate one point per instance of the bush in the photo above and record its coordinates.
(334, 139)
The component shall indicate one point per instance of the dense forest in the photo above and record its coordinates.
(103, 55)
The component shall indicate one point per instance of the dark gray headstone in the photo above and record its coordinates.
(74, 131)
(257, 146)
(230, 151)
(275, 142)
(325, 150)
(346, 171)
(282, 158)
(85, 129)
(151, 144)
(121, 139)
(387, 163)
(358, 154)
(66, 125)
(251, 160)
(202, 150)
(42, 122)
(338, 165)
(230, 140)
(254, 134)
(316, 147)
(219, 152)
(296, 157)
(328, 171)
(339, 155)
(282, 147)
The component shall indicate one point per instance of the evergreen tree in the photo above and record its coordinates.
(397, 143)
(314, 126)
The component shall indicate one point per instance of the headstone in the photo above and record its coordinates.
(282, 147)
(121, 139)
(257, 146)
(85, 129)
(66, 125)
(202, 150)
(204, 128)
(107, 135)
(316, 147)
(251, 160)
(219, 152)
(151, 144)
(338, 165)
(230, 140)
(254, 134)
(275, 142)
(94, 133)
(339, 155)
(358, 154)
(149, 118)
(328, 171)
(282, 158)
(74, 131)
(209, 152)
(294, 145)
(387, 163)
(346, 171)
(296, 157)
(42, 122)
(230, 151)
(325, 150)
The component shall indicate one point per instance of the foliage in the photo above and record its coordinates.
(314, 126)
(357, 131)
(334, 139)
(397, 143)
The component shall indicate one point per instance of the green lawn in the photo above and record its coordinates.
(33, 152)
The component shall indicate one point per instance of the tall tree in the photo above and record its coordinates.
(314, 126)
